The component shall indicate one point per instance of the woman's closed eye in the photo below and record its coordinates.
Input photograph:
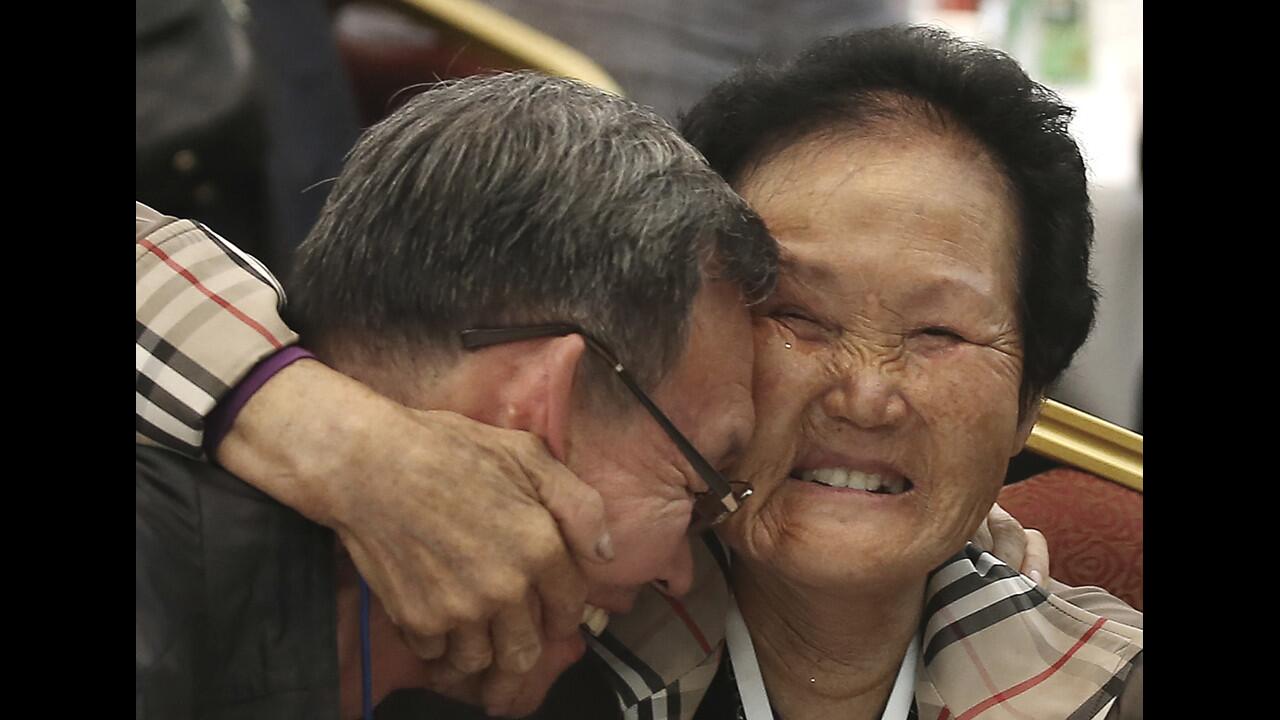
(936, 338)
(804, 325)
(943, 332)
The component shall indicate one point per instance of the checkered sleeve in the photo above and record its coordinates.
(680, 699)
(206, 314)
(996, 645)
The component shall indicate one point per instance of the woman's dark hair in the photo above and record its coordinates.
(860, 80)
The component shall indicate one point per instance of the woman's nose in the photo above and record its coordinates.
(868, 397)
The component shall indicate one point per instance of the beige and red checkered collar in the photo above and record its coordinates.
(992, 645)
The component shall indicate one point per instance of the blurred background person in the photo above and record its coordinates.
(242, 111)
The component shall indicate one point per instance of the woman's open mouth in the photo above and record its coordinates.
(845, 478)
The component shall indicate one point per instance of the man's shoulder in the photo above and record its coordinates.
(197, 513)
(183, 477)
(234, 597)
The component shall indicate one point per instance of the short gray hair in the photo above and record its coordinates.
(517, 199)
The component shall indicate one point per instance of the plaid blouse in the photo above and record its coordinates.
(206, 314)
(994, 645)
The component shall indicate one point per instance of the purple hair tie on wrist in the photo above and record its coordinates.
(218, 423)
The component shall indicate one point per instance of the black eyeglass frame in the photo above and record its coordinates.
(710, 508)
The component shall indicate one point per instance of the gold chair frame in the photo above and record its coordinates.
(508, 36)
(1074, 437)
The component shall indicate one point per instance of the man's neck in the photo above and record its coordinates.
(826, 654)
(394, 664)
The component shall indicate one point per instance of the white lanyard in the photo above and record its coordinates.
(904, 687)
(746, 670)
(755, 700)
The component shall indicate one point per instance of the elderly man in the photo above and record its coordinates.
(520, 250)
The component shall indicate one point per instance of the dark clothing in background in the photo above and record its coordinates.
(234, 599)
(668, 53)
(199, 137)
(309, 111)
(240, 119)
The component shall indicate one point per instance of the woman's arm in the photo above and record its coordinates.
(205, 315)
(401, 487)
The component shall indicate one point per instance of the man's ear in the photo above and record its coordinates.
(1028, 421)
(538, 395)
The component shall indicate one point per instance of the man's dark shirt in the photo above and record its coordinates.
(234, 599)
(236, 613)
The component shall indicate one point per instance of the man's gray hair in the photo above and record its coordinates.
(519, 199)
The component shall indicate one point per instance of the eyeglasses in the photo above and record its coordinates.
(709, 508)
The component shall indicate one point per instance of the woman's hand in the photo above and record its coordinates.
(1022, 549)
(467, 533)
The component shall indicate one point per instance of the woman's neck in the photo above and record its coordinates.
(823, 653)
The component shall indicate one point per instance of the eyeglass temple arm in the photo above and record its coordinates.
(479, 338)
(482, 338)
(717, 484)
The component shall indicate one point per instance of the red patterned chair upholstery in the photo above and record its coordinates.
(1088, 503)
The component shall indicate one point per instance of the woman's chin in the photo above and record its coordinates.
(851, 572)
(823, 537)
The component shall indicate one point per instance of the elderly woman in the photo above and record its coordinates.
(935, 227)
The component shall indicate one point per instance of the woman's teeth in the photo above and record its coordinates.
(842, 478)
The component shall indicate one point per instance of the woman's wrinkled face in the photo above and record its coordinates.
(888, 361)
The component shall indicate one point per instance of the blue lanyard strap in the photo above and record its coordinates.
(366, 655)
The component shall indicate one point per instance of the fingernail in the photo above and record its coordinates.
(1035, 576)
(594, 619)
(604, 547)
